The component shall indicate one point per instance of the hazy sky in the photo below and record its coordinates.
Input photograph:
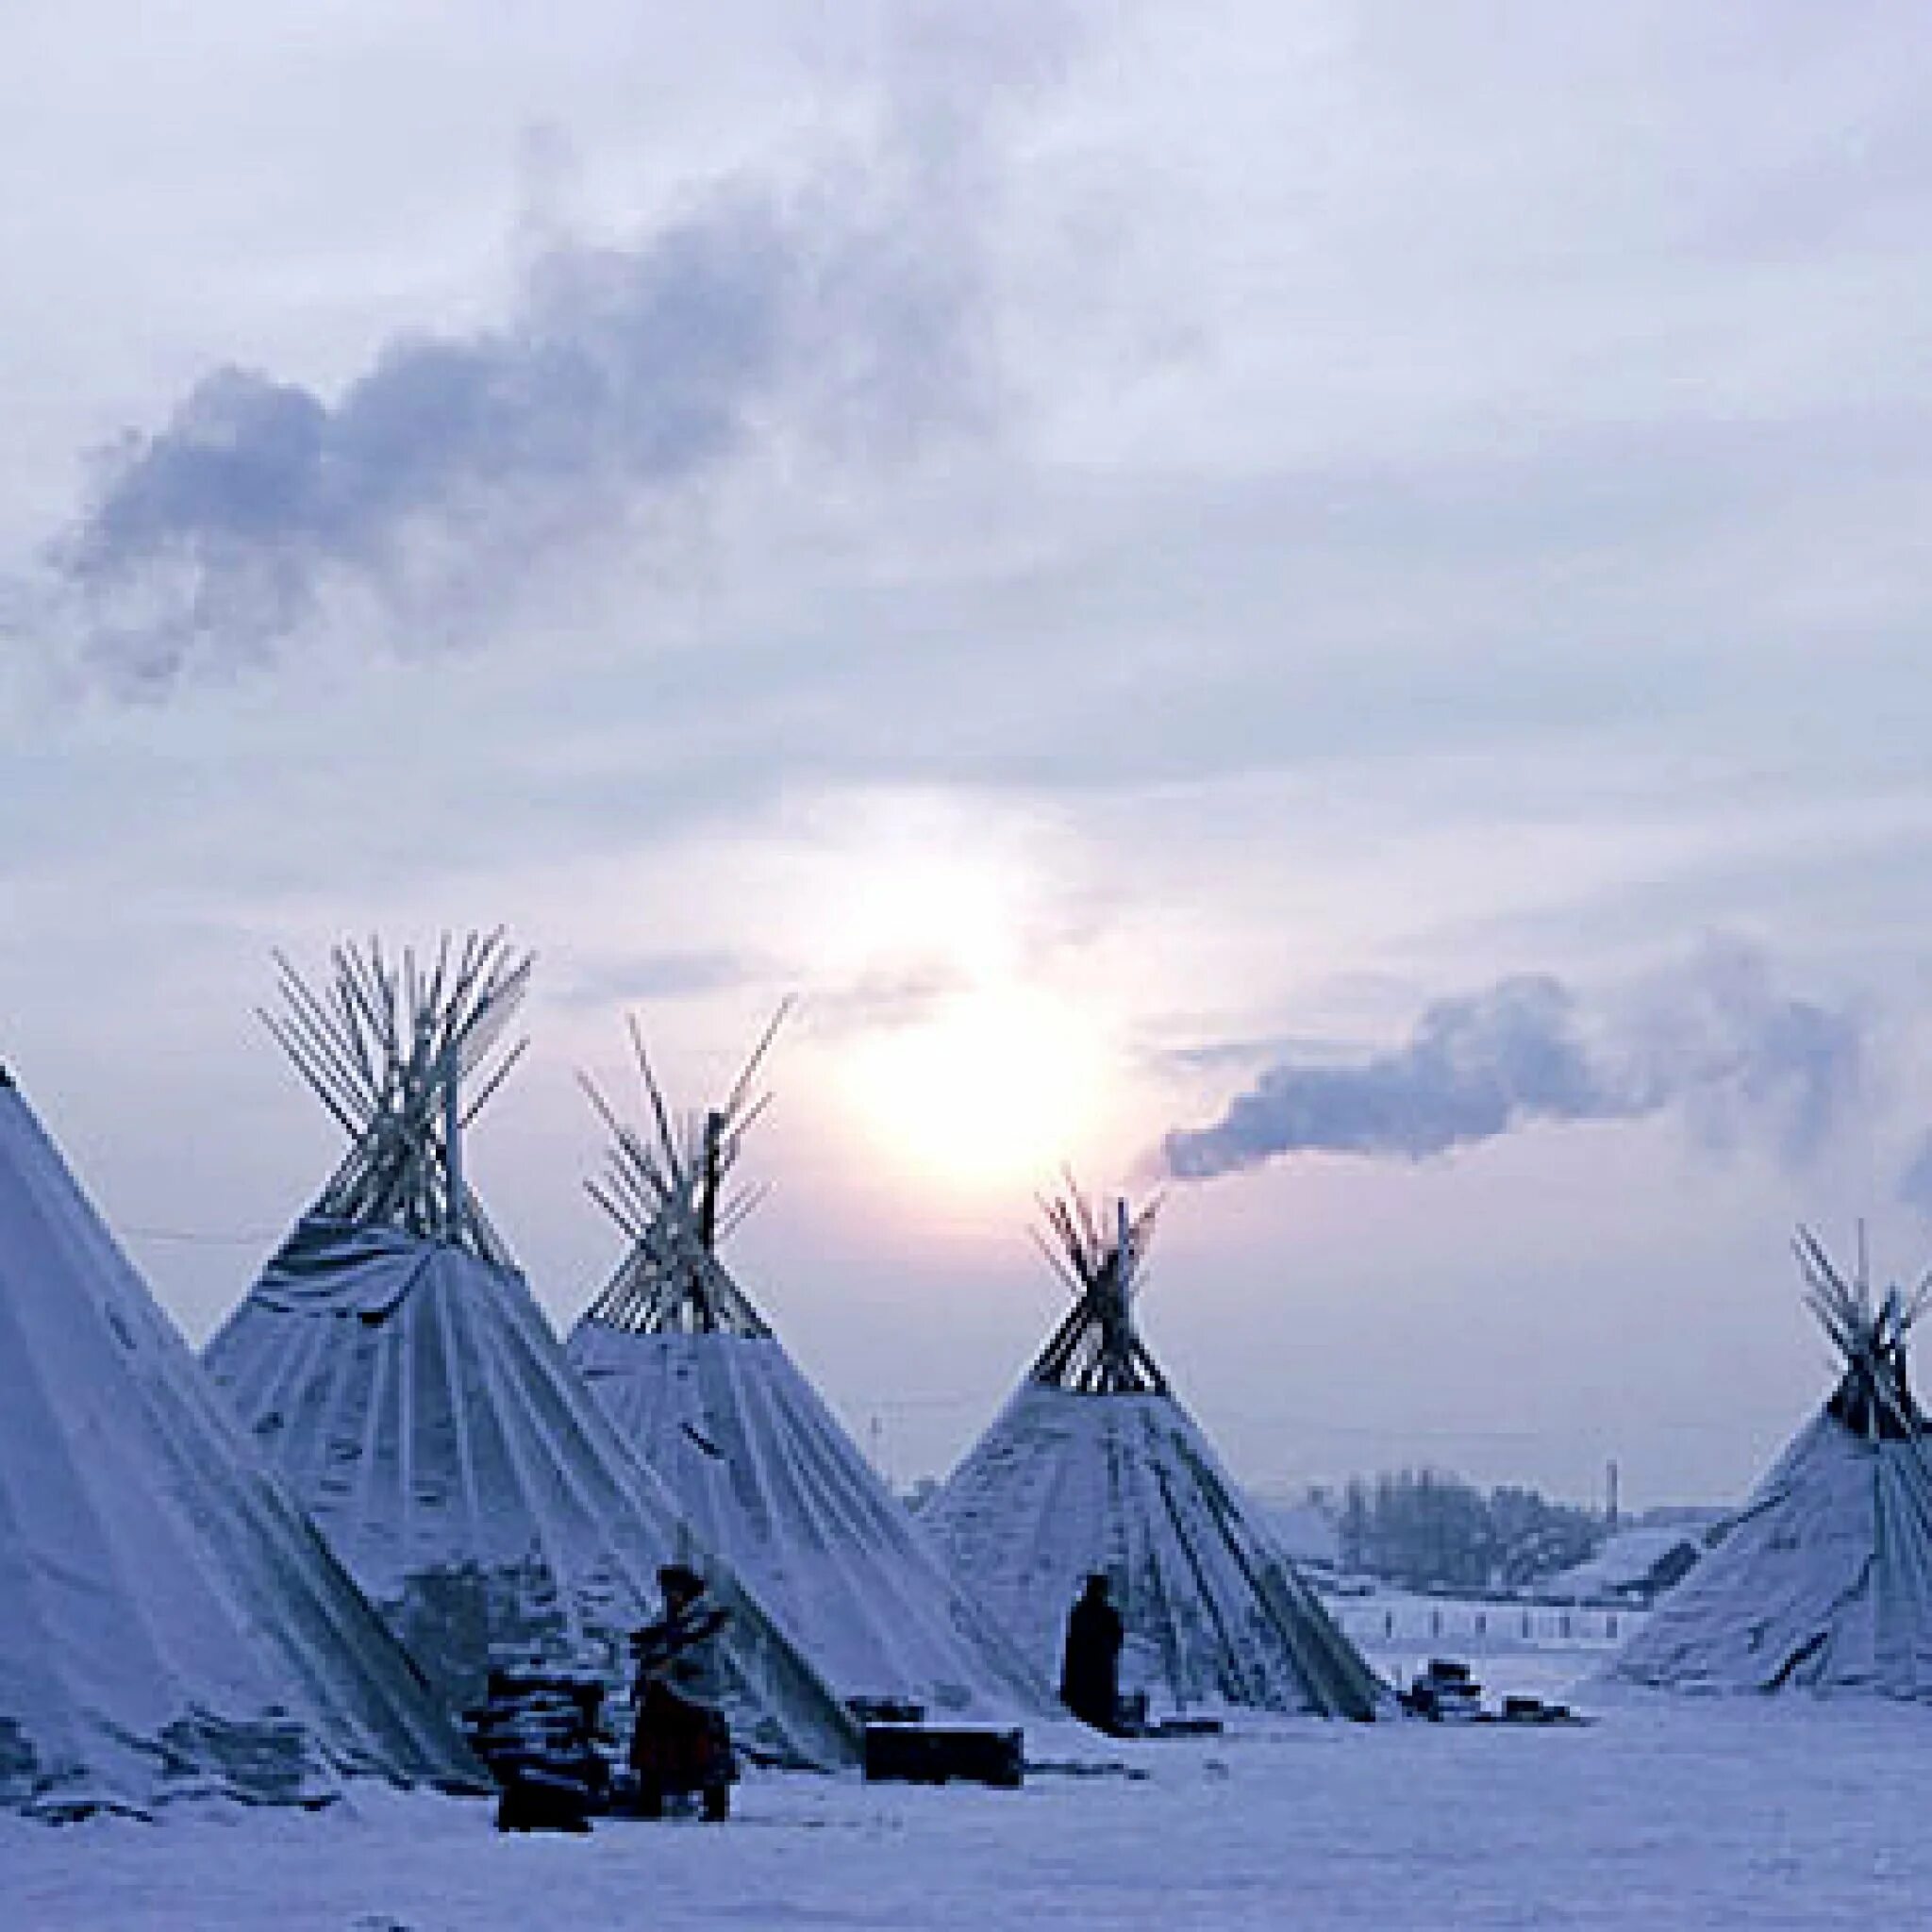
(1329, 598)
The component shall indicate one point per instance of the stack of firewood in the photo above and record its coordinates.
(538, 1735)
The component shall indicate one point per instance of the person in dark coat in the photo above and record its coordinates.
(681, 1742)
(1090, 1665)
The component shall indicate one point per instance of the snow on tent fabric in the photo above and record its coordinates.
(171, 1626)
(1822, 1581)
(394, 1366)
(1094, 1466)
(699, 1385)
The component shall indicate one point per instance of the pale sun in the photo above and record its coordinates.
(995, 1088)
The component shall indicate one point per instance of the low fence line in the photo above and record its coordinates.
(1495, 1625)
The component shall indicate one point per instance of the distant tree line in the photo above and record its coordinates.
(1426, 1529)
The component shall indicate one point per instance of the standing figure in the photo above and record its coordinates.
(1090, 1668)
(680, 1741)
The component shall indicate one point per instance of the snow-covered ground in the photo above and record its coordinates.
(1664, 1814)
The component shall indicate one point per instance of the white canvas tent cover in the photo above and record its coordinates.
(1823, 1580)
(396, 1368)
(1093, 1465)
(698, 1384)
(171, 1626)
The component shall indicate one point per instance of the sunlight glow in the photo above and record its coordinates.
(996, 1088)
(969, 1025)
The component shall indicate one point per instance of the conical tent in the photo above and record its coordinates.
(699, 1385)
(397, 1370)
(1094, 1466)
(171, 1626)
(1823, 1580)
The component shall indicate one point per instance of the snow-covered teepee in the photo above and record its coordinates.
(171, 1626)
(1823, 1580)
(1094, 1466)
(396, 1368)
(697, 1382)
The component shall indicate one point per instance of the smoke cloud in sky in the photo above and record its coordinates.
(1714, 1040)
(624, 378)
(836, 307)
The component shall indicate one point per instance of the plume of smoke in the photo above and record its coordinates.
(624, 377)
(622, 374)
(1713, 1039)
(1718, 1038)
(847, 312)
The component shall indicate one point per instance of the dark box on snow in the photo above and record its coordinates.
(936, 1755)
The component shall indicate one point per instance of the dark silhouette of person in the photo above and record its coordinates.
(1089, 1667)
(680, 1740)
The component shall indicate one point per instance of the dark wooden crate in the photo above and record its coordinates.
(937, 1755)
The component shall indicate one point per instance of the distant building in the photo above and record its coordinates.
(1638, 1565)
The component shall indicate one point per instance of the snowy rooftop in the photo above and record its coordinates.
(1629, 1559)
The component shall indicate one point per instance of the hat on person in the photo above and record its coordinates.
(680, 1580)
